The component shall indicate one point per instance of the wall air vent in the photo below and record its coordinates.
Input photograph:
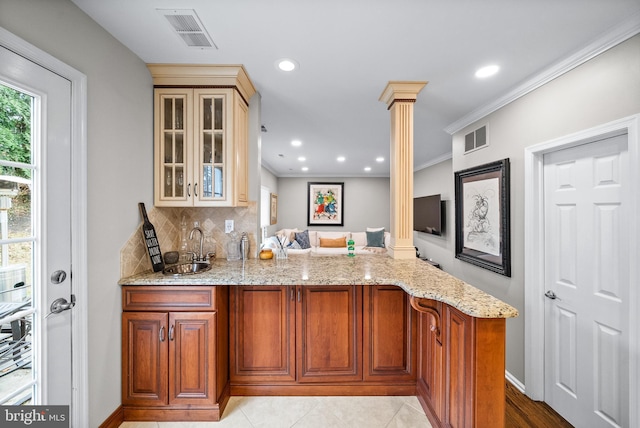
(476, 139)
(187, 25)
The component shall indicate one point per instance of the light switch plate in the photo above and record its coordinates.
(228, 226)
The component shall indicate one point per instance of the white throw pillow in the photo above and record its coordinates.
(359, 238)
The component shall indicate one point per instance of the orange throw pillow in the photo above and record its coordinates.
(333, 243)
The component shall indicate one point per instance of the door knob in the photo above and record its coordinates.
(550, 294)
(61, 304)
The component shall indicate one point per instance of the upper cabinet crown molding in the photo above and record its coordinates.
(191, 75)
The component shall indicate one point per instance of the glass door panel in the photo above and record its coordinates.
(218, 183)
(17, 379)
(207, 183)
(218, 112)
(219, 148)
(211, 147)
(173, 147)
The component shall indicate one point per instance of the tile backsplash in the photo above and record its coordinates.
(168, 224)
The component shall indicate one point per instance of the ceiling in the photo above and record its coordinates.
(348, 51)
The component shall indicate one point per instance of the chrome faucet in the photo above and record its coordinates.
(199, 257)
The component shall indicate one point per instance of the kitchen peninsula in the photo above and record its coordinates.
(313, 325)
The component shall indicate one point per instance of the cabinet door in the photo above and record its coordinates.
(263, 334)
(389, 334)
(192, 350)
(329, 326)
(144, 359)
(213, 147)
(241, 146)
(458, 368)
(173, 124)
(431, 365)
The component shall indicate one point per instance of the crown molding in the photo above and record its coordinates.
(433, 162)
(621, 32)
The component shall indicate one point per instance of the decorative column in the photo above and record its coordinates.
(400, 97)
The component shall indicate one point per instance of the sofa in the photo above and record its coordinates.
(296, 241)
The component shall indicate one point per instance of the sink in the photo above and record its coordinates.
(187, 268)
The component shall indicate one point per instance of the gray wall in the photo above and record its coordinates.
(437, 179)
(366, 203)
(602, 90)
(120, 169)
(270, 181)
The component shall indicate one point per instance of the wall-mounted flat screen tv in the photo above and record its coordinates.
(428, 216)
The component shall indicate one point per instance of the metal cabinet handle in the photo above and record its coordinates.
(171, 333)
(299, 295)
(195, 190)
(189, 190)
(161, 335)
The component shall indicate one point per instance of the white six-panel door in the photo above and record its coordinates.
(587, 285)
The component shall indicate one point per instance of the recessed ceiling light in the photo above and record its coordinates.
(302, 159)
(367, 168)
(341, 159)
(304, 168)
(286, 64)
(296, 143)
(379, 159)
(487, 71)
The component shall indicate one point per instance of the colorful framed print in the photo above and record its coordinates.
(325, 204)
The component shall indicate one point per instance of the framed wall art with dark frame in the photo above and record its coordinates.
(483, 224)
(325, 204)
(274, 209)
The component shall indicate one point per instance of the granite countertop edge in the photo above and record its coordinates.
(418, 278)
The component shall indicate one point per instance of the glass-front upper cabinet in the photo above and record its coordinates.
(201, 135)
(213, 135)
(172, 150)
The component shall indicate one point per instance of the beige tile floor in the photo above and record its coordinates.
(310, 412)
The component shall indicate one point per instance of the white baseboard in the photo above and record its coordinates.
(511, 378)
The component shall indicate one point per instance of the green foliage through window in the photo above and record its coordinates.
(15, 130)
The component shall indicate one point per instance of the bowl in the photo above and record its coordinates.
(171, 257)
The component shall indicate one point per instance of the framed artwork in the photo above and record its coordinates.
(274, 208)
(483, 218)
(325, 204)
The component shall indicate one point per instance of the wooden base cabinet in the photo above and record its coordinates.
(263, 340)
(347, 340)
(290, 335)
(174, 353)
(390, 335)
(462, 366)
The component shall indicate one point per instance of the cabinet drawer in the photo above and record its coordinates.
(167, 298)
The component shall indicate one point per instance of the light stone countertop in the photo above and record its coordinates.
(417, 277)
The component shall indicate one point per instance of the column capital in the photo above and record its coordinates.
(401, 91)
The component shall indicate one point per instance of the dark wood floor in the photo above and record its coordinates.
(522, 412)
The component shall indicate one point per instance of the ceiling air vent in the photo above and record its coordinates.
(476, 139)
(187, 25)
